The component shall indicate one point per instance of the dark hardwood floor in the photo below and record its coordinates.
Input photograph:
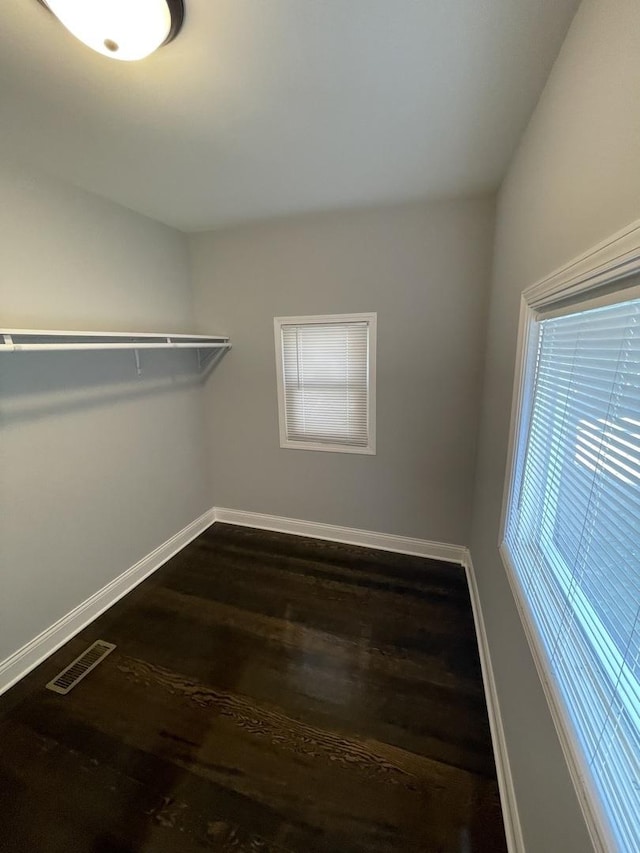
(267, 693)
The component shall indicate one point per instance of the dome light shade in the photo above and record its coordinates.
(120, 29)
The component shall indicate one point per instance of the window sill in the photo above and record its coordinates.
(328, 448)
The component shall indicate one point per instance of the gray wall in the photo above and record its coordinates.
(424, 269)
(574, 182)
(97, 467)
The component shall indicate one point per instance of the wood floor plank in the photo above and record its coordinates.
(390, 695)
(267, 693)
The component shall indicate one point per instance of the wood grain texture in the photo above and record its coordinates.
(268, 693)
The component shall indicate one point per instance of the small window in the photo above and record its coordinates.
(572, 538)
(326, 382)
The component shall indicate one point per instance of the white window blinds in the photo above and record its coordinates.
(326, 382)
(573, 538)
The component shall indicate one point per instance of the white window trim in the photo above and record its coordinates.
(371, 319)
(608, 263)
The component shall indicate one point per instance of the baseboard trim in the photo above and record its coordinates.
(348, 535)
(45, 644)
(511, 817)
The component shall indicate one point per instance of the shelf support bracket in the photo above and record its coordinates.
(136, 354)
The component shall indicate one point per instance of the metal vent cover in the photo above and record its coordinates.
(80, 667)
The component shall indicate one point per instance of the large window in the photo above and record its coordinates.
(572, 538)
(326, 382)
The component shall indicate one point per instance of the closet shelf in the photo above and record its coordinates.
(23, 340)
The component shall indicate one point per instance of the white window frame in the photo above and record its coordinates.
(606, 268)
(318, 319)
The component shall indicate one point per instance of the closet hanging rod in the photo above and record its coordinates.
(18, 340)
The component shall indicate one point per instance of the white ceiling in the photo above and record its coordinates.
(270, 107)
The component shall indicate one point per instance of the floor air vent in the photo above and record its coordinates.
(80, 667)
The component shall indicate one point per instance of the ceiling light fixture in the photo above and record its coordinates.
(120, 29)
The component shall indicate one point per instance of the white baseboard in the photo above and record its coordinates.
(512, 827)
(37, 650)
(348, 535)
